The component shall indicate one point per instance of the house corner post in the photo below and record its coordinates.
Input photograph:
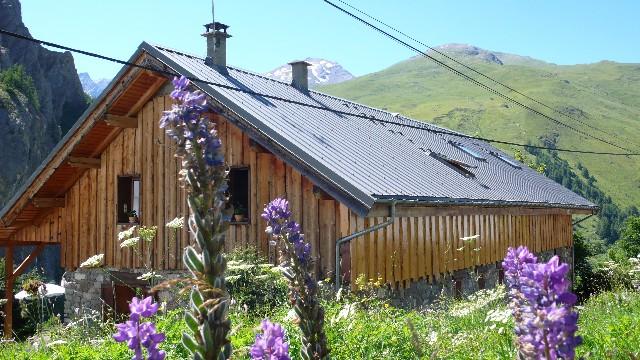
(8, 293)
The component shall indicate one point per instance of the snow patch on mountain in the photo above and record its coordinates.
(321, 72)
(91, 87)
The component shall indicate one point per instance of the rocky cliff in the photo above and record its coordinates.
(28, 128)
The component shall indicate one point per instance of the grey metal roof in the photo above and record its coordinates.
(367, 160)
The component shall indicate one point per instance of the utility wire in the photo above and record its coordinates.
(469, 78)
(563, 113)
(368, 117)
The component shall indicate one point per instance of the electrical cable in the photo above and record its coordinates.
(273, 97)
(481, 73)
(474, 81)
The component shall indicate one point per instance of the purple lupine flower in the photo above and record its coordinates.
(139, 335)
(541, 303)
(279, 223)
(270, 345)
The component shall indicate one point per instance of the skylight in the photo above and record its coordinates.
(513, 163)
(475, 154)
(459, 166)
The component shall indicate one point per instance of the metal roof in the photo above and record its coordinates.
(369, 160)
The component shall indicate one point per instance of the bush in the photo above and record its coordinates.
(255, 285)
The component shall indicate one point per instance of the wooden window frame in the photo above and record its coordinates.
(249, 218)
(133, 177)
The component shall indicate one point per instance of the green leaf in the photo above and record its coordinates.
(190, 343)
(191, 321)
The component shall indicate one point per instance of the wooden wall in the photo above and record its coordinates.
(49, 228)
(88, 222)
(415, 248)
(412, 248)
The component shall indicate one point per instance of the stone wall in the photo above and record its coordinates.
(84, 287)
(461, 283)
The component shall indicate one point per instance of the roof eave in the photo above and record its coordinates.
(65, 139)
(433, 201)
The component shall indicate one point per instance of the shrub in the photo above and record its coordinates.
(255, 285)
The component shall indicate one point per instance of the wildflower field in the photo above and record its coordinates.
(478, 328)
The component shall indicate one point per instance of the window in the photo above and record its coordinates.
(459, 166)
(239, 194)
(475, 154)
(513, 163)
(128, 198)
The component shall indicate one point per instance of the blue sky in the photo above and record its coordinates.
(268, 33)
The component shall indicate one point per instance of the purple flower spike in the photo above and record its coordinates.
(139, 335)
(279, 223)
(540, 300)
(145, 308)
(270, 345)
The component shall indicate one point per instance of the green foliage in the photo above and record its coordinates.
(255, 285)
(630, 241)
(610, 326)
(16, 80)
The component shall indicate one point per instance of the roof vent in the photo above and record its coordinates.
(300, 75)
(216, 34)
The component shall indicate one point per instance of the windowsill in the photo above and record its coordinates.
(244, 222)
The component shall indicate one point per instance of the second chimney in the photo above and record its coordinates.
(217, 36)
(300, 75)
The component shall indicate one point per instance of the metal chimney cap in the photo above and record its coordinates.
(216, 26)
(302, 62)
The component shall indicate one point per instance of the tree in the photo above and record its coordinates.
(630, 240)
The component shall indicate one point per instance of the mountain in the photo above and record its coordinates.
(90, 87)
(603, 95)
(321, 72)
(40, 99)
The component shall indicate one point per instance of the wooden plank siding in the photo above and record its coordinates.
(413, 247)
(438, 246)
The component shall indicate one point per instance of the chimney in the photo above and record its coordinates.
(299, 75)
(216, 34)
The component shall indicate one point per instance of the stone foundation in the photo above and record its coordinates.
(84, 290)
(461, 283)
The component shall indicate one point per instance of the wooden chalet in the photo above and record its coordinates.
(345, 168)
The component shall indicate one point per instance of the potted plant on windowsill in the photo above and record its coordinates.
(133, 216)
(239, 213)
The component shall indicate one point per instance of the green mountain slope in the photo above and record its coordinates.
(605, 95)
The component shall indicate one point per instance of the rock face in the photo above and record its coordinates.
(28, 131)
(321, 72)
(91, 87)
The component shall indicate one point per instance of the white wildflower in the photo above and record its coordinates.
(122, 235)
(177, 223)
(433, 338)
(131, 242)
(56, 342)
(93, 262)
(469, 238)
(149, 275)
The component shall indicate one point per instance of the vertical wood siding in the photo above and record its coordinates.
(426, 247)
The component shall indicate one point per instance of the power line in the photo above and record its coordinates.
(481, 73)
(250, 92)
(476, 82)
